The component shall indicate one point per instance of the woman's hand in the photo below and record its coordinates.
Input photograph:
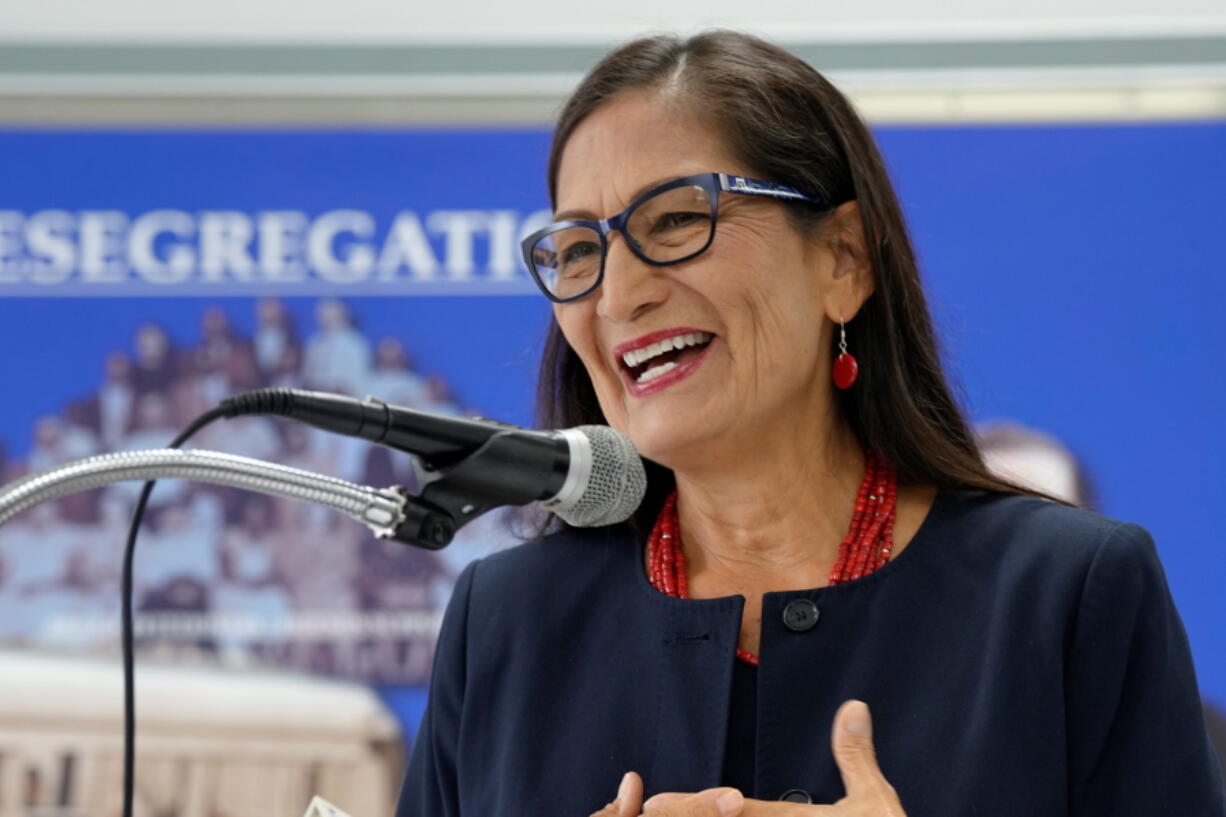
(869, 794)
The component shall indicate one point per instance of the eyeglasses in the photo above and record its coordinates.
(666, 225)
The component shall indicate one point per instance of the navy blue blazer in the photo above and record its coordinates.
(1019, 657)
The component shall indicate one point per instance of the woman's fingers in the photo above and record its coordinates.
(628, 802)
(723, 802)
(660, 799)
(852, 742)
(868, 792)
(630, 795)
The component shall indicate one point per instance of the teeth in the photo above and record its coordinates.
(636, 357)
(656, 371)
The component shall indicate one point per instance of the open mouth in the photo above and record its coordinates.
(654, 360)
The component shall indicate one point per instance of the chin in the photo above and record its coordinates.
(662, 439)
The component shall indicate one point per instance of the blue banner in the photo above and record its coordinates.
(1076, 274)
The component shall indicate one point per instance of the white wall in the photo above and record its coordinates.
(557, 21)
(513, 61)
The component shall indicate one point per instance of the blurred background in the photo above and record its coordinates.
(197, 199)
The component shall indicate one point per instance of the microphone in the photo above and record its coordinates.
(588, 476)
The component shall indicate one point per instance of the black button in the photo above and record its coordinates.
(796, 796)
(800, 615)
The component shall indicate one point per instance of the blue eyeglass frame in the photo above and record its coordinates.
(713, 183)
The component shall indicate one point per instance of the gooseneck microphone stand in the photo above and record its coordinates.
(383, 511)
(429, 522)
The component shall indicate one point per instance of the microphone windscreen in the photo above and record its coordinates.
(615, 485)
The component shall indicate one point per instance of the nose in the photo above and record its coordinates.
(631, 287)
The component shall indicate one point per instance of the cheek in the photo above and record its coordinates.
(576, 327)
(772, 305)
(786, 328)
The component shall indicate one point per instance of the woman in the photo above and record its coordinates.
(818, 534)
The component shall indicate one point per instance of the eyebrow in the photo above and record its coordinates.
(588, 215)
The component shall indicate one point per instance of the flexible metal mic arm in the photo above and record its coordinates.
(383, 511)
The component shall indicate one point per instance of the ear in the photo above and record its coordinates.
(850, 277)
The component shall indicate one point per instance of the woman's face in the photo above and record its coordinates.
(759, 292)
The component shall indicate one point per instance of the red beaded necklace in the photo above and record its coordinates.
(865, 548)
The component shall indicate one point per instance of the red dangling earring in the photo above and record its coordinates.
(846, 369)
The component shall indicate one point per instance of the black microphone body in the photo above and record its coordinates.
(526, 466)
(588, 476)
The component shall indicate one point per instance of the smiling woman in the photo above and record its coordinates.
(734, 289)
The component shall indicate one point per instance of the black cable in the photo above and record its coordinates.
(126, 637)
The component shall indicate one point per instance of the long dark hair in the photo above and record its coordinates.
(786, 122)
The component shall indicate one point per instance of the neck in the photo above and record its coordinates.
(772, 515)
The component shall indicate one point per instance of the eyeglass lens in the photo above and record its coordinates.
(669, 226)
